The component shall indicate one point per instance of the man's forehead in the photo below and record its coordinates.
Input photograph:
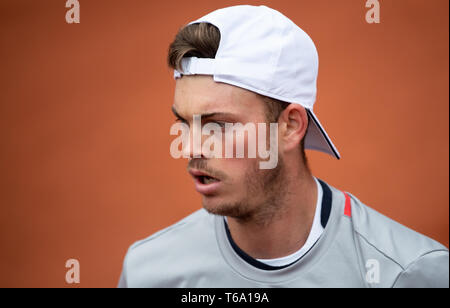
(198, 102)
(197, 95)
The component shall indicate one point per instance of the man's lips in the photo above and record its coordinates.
(204, 182)
(198, 173)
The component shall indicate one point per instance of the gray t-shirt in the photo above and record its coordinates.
(358, 248)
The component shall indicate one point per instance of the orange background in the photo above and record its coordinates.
(85, 117)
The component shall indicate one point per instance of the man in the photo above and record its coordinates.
(280, 226)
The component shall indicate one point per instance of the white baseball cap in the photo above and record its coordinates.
(263, 51)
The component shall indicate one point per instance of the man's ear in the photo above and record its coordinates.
(293, 122)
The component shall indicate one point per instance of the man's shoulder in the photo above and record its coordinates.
(165, 257)
(402, 244)
(413, 253)
(187, 229)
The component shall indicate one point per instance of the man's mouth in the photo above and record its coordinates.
(203, 177)
(204, 182)
(207, 179)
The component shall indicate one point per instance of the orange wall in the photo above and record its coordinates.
(85, 117)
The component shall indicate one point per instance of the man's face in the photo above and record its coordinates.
(239, 188)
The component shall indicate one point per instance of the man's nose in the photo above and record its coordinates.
(193, 146)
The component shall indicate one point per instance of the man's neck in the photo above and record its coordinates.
(288, 231)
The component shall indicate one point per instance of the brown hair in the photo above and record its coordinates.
(199, 40)
(202, 40)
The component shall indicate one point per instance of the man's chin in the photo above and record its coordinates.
(216, 206)
(224, 208)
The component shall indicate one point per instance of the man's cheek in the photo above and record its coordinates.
(237, 171)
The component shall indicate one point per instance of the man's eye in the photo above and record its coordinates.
(178, 120)
(221, 124)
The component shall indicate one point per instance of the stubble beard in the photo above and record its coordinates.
(263, 200)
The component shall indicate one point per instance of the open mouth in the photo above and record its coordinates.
(204, 179)
(205, 183)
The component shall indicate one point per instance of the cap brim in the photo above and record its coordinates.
(317, 138)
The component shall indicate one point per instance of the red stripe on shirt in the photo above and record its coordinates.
(348, 206)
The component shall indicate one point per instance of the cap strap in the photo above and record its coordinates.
(196, 66)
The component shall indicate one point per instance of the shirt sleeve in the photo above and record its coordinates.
(122, 281)
(123, 276)
(429, 271)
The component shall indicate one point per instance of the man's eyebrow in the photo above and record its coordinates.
(204, 115)
(213, 114)
(176, 113)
